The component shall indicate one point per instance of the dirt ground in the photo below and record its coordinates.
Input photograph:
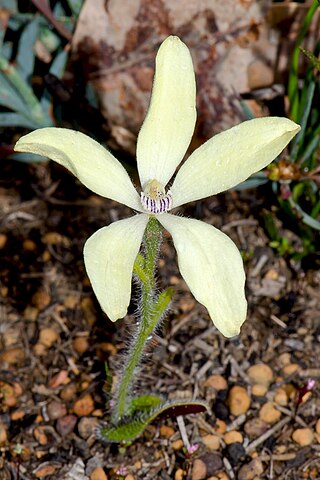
(54, 341)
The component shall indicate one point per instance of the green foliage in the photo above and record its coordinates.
(146, 409)
(21, 105)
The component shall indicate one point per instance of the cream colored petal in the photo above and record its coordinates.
(109, 255)
(167, 130)
(231, 157)
(92, 164)
(211, 265)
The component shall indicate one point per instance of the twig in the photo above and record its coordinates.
(44, 8)
(253, 445)
(183, 431)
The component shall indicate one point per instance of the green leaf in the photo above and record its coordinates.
(144, 402)
(253, 182)
(25, 55)
(307, 219)
(303, 122)
(132, 428)
(10, 98)
(75, 7)
(16, 120)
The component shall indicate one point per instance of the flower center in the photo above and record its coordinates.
(154, 198)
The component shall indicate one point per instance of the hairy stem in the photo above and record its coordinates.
(151, 307)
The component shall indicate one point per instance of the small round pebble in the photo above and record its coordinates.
(255, 427)
(166, 431)
(84, 405)
(232, 437)
(179, 475)
(260, 374)
(217, 382)
(211, 441)
(290, 369)
(238, 400)
(56, 410)
(318, 426)
(259, 390)
(235, 452)
(65, 425)
(281, 397)
(87, 426)
(98, 474)
(303, 436)
(177, 445)
(251, 471)
(269, 414)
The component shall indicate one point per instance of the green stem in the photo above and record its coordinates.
(151, 309)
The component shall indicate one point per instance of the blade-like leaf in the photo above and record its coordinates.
(16, 120)
(25, 56)
(131, 429)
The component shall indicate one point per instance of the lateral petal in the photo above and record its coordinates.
(168, 127)
(109, 256)
(91, 163)
(231, 157)
(211, 265)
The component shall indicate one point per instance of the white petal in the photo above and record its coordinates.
(109, 255)
(211, 265)
(92, 164)
(231, 157)
(167, 130)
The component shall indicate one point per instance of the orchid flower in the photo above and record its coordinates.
(209, 261)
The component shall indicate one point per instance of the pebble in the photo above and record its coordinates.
(290, 369)
(56, 410)
(41, 299)
(217, 382)
(177, 445)
(255, 427)
(45, 470)
(251, 471)
(232, 437)
(87, 426)
(7, 395)
(13, 356)
(235, 452)
(40, 436)
(80, 344)
(220, 426)
(68, 392)
(179, 475)
(259, 390)
(166, 431)
(3, 433)
(303, 436)
(206, 466)
(98, 474)
(284, 359)
(281, 397)
(211, 441)
(260, 374)
(3, 240)
(84, 405)
(238, 400)
(268, 413)
(65, 425)
(318, 426)
(48, 336)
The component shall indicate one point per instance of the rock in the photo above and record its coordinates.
(260, 374)
(251, 471)
(41, 299)
(238, 400)
(281, 397)
(65, 425)
(48, 336)
(87, 426)
(40, 435)
(284, 359)
(179, 475)
(221, 410)
(232, 437)
(84, 406)
(3, 433)
(255, 427)
(45, 470)
(318, 426)
(260, 75)
(68, 392)
(269, 414)
(80, 344)
(259, 390)
(177, 445)
(217, 382)
(3, 240)
(166, 431)
(56, 410)
(206, 466)
(303, 436)
(220, 426)
(98, 474)
(7, 394)
(290, 369)
(13, 356)
(235, 453)
(211, 441)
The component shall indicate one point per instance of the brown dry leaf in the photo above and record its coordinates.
(59, 379)
(115, 46)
